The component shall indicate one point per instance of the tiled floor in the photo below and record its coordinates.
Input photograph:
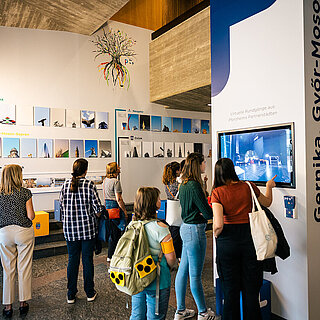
(49, 291)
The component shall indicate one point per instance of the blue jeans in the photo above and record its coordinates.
(194, 244)
(74, 250)
(144, 305)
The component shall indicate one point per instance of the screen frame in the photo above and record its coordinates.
(289, 125)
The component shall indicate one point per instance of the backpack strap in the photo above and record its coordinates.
(158, 270)
(158, 282)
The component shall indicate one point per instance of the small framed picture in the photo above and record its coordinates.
(41, 116)
(91, 148)
(76, 149)
(58, 118)
(179, 149)
(88, 119)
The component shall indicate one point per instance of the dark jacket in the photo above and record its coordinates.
(283, 249)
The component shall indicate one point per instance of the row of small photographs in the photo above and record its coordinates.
(55, 117)
(165, 124)
(146, 149)
(47, 182)
(54, 148)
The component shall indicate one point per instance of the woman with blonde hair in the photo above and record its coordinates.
(112, 193)
(16, 238)
(195, 211)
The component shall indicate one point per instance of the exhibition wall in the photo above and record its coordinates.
(59, 70)
(260, 81)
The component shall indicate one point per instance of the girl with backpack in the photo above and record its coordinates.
(146, 204)
(195, 211)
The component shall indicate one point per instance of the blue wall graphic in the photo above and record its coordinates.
(223, 15)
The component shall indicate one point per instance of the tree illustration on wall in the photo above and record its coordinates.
(118, 46)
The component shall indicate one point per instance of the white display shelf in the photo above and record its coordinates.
(54, 189)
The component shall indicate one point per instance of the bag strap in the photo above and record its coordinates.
(158, 282)
(174, 197)
(169, 191)
(254, 198)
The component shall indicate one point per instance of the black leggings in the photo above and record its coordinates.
(239, 270)
(115, 235)
(177, 241)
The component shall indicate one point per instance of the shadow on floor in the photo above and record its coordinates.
(49, 291)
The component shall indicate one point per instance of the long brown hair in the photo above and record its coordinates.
(170, 172)
(112, 170)
(145, 203)
(224, 172)
(11, 179)
(191, 170)
(80, 166)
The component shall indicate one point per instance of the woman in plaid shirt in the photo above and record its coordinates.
(80, 206)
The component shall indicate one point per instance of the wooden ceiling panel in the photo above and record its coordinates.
(153, 14)
(193, 100)
(79, 16)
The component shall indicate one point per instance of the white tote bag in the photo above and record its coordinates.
(264, 237)
(173, 216)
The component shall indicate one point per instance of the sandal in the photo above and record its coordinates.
(24, 309)
(7, 313)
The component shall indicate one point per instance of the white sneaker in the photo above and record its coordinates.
(185, 314)
(108, 259)
(209, 315)
(92, 298)
(71, 299)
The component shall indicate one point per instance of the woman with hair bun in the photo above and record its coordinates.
(80, 206)
(171, 173)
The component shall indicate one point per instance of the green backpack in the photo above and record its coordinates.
(132, 267)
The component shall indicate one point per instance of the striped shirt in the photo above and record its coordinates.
(79, 209)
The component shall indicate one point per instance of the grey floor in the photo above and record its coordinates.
(49, 291)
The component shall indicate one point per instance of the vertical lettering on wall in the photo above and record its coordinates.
(315, 107)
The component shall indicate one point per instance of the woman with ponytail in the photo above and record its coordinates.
(80, 206)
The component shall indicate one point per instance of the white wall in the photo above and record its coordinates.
(58, 70)
(267, 71)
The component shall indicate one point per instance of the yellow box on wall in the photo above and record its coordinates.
(41, 223)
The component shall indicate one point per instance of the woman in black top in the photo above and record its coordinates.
(16, 238)
(169, 179)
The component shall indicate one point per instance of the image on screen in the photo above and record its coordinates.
(260, 154)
